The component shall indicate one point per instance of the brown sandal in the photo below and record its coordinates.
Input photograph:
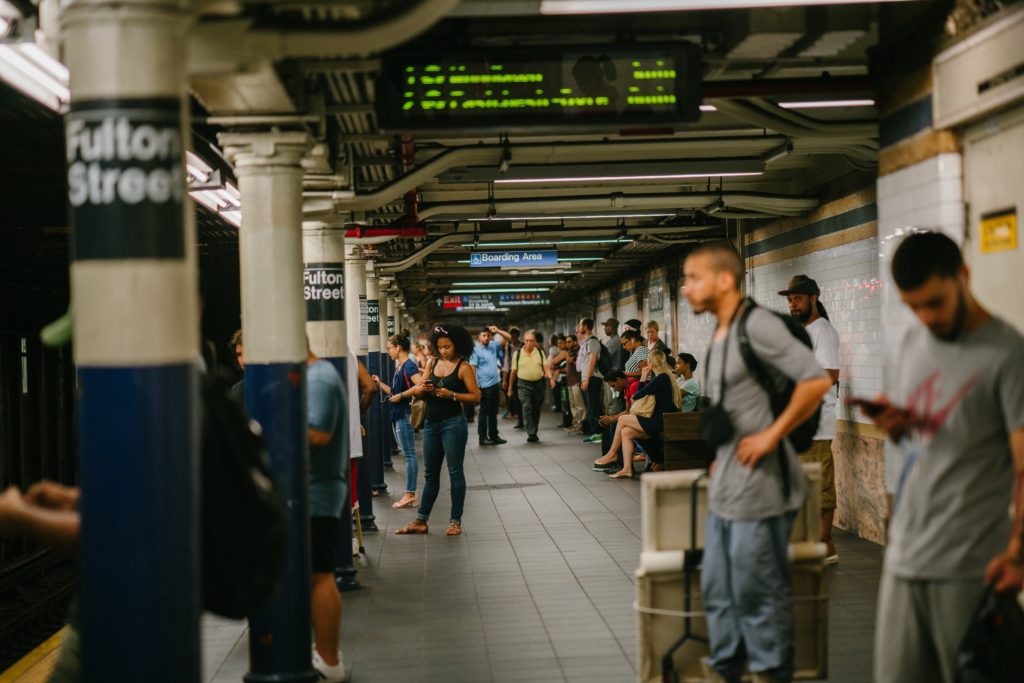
(454, 529)
(398, 504)
(415, 527)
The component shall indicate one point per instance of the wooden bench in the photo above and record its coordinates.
(684, 447)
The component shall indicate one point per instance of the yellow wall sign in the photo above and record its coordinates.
(998, 232)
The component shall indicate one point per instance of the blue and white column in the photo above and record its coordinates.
(268, 166)
(390, 328)
(355, 312)
(376, 437)
(133, 282)
(323, 250)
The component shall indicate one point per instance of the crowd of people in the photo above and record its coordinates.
(954, 415)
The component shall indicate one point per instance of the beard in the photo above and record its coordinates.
(959, 319)
(802, 316)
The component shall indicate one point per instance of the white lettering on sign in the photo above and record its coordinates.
(323, 285)
(99, 158)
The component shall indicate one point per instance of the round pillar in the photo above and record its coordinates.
(355, 311)
(323, 251)
(268, 166)
(376, 432)
(133, 281)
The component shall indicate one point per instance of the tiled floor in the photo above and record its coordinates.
(537, 589)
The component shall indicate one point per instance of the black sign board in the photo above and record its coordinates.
(526, 88)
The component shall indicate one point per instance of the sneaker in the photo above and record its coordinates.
(607, 467)
(330, 674)
(832, 559)
(486, 442)
(518, 426)
(532, 438)
(593, 438)
(497, 441)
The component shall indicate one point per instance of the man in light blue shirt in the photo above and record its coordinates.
(488, 376)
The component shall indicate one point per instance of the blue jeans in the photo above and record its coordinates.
(747, 595)
(445, 439)
(405, 435)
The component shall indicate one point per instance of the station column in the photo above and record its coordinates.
(323, 278)
(391, 328)
(273, 334)
(355, 312)
(375, 437)
(133, 281)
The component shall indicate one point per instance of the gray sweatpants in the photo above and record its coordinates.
(919, 627)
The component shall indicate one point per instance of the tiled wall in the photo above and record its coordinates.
(695, 332)
(850, 291)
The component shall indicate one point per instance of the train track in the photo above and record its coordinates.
(35, 590)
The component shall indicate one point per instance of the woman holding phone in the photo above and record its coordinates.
(407, 375)
(450, 382)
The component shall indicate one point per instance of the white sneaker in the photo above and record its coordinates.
(328, 673)
(832, 559)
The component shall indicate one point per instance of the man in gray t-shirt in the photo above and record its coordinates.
(591, 379)
(756, 482)
(956, 410)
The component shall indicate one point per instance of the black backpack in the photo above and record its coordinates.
(778, 387)
(604, 359)
(244, 530)
(990, 651)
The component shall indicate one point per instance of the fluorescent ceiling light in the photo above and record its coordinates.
(499, 291)
(708, 107)
(581, 258)
(26, 75)
(482, 219)
(590, 179)
(492, 283)
(598, 241)
(618, 6)
(504, 244)
(825, 104)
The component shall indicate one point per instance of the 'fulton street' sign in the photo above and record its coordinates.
(506, 259)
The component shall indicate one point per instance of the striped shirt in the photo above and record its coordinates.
(639, 354)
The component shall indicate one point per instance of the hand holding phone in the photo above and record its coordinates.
(893, 420)
(870, 407)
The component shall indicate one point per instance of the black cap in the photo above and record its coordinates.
(801, 284)
(633, 324)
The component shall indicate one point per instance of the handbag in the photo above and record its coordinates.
(990, 651)
(417, 407)
(643, 407)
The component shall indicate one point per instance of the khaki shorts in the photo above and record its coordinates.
(821, 451)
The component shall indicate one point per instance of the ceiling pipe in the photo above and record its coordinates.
(754, 115)
(780, 204)
(580, 152)
(458, 237)
(234, 46)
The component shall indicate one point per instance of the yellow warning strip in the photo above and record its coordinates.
(36, 665)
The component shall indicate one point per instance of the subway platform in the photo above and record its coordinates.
(538, 588)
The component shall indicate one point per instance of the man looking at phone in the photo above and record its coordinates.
(756, 484)
(804, 305)
(956, 410)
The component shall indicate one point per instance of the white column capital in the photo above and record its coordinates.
(252, 152)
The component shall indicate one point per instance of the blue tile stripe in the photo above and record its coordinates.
(820, 228)
(138, 445)
(279, 637)
(905, 122)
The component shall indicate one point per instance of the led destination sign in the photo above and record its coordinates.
(510, 88)
(489, 302)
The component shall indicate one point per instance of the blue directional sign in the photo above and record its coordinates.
(514, 259)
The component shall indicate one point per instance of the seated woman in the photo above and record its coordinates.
(667, 398)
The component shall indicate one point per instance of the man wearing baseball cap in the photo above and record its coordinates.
(804, 305)
(613, 344)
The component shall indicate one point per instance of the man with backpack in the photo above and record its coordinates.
(805, 306)
(756, 484)
(592, 376)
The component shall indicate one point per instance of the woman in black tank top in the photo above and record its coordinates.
(450, 383)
